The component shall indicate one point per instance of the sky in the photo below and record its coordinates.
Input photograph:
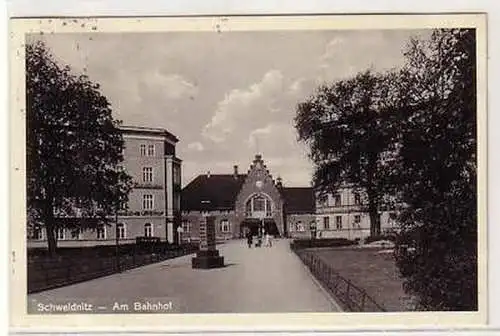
(226, 96)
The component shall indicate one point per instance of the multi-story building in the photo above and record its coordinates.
(153, 209)
(241, 202)
(245, 202)
(344, 214)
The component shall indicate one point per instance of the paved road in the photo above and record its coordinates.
(256, 280)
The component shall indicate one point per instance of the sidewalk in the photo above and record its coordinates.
(256, 280)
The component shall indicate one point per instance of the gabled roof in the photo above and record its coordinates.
(212, 192)
(298, 200)
(219, 192)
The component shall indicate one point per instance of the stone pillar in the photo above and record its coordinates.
(208, 255)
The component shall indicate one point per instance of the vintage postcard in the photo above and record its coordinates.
(263, 172)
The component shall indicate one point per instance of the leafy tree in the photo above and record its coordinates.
(345, 125)
(437, 174)
(73, 148)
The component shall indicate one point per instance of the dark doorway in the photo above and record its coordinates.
(255, 226)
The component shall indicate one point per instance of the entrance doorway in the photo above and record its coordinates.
(255, 226)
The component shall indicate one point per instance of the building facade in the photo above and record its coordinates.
(153, 209)
(244, 202)
(344, 214)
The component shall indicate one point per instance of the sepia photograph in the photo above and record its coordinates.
(218, 169)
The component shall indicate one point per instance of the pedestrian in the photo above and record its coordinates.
(269, 240)
(249, 239)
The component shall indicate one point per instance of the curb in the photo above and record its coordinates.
(327, 293)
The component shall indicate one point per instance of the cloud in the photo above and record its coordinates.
(174, 86)
(273, 138)
(241, 107)
(196, 146)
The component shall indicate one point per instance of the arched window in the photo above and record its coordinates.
(148, 230)
(259, 206)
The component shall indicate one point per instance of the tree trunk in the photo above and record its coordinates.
(372, 196)
(373, 212)
(48, 219)
(374, 220)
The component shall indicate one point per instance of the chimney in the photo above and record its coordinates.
(235, 171)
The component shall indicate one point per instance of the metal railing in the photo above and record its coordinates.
(351, 297)
(45, 273)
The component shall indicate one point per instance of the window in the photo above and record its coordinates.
(148, 230)
(186, 226)
(123, 206)
(323, 200)
(143, 150)
(258, 206)
(177, 201)
(147, 174)
(357, 199)
(101, 232)
(76, 234)
(151, 150)
(177, 174)
(338, 200)
(60, 234)
(121, 230)
(38, 234)
(147, 202)
(259, 203)
(326, 223)
(269, 211)
(299, 227)
(357, 221)
(338, 222)
(225, 226)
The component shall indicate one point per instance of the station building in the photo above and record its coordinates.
(153, 209)
(245, 202)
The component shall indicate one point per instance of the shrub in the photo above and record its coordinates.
(327, 242)
(390, 237)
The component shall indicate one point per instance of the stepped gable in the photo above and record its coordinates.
(212, 192)
(298, 200)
